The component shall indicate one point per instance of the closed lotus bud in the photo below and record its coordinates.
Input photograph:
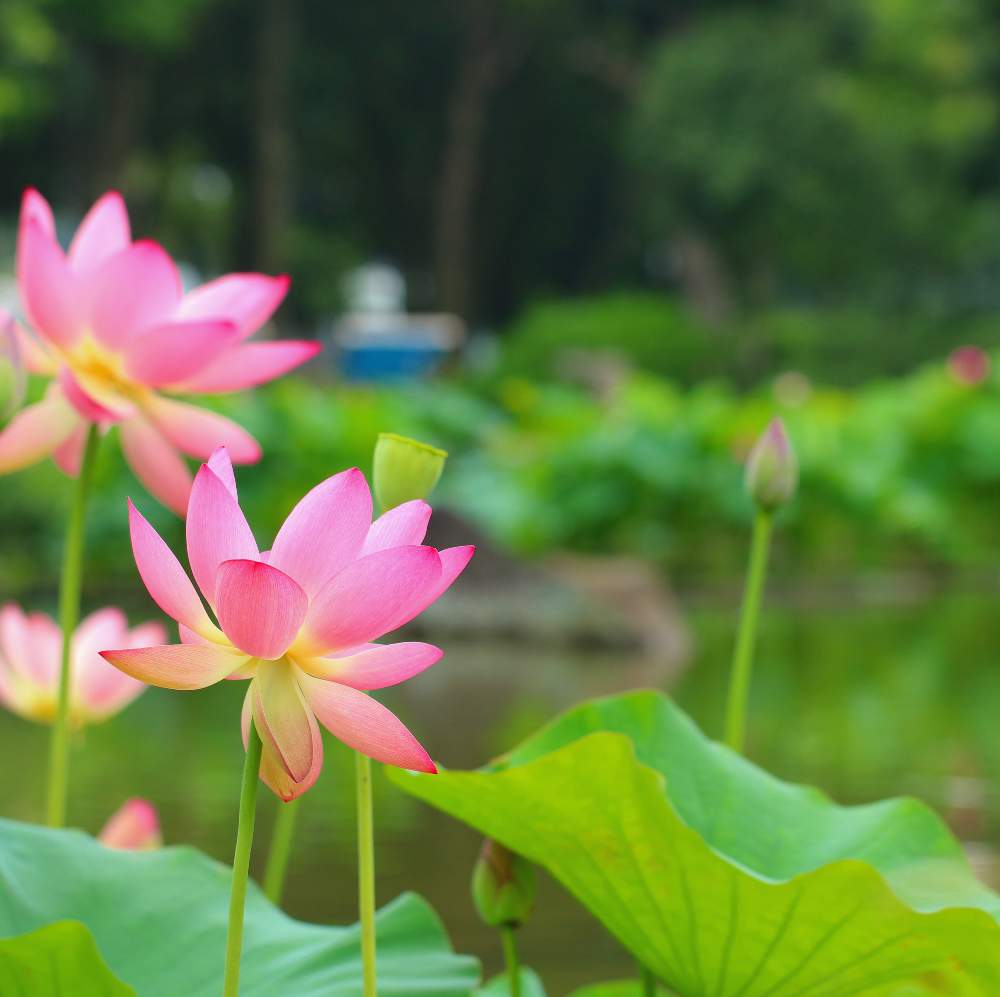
(404, 469)
(135, 826)
(503, 886)
(772, 472)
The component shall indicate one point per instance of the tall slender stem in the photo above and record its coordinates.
(281, 846)
(366, 872)
(739, 678)
(69, 615)
(648, 982)
(511, 959)
(241, 862)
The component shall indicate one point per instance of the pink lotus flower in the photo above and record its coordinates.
(134, 826)
(114, 329)
(30, 654)
(297, 620)
(969, 365)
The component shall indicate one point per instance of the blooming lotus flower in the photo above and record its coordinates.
(298, 620)
(30, 656)
(114, 330)
(134, 826)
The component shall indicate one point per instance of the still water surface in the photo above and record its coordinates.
(864, 702)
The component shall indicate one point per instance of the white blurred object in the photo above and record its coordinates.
(378, 340)
(375, 288)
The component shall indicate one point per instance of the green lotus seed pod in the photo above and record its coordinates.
(404, 469)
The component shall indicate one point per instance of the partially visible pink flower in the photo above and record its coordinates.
(30, 654)
(134, 826)
(298, 619)
(115, 331)
(969, 365)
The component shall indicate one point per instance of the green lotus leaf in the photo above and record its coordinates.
(722, 879)
(159, 920)
(56, 960)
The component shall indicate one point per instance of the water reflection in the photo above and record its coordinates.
(863, 702)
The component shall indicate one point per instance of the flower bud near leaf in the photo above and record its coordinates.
(503, 886)
(772, 472)
(135, 826)
(404, 469)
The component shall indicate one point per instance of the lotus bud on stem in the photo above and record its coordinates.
(771, 481)
(402, 470)
(503, 891)
(772, 472)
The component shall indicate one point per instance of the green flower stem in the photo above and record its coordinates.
(739, 678)
(648, 982)
(281, 847)
(241, 862)
(512, 960)
(366, 872)
(69, 615)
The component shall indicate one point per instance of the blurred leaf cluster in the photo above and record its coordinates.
(901, 473)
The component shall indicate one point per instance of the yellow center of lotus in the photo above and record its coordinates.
(101, 373)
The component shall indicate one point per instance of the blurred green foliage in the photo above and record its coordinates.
(901, 473)
(659, 334)
(820, 149)
(651, 331)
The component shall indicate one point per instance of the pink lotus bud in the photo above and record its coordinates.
(135, 826)
(772, 472)
(969, 365)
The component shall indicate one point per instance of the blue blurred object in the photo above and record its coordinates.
(378, 341)
(401, 353)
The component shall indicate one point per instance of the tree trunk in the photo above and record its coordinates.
(703, 277)
(485, 59)
(272, 167)
(124, 85)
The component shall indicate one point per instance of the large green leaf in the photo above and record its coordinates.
(56, 960)
(722, 879)
(159, 919)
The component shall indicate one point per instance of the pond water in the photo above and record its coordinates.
(862, 701)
